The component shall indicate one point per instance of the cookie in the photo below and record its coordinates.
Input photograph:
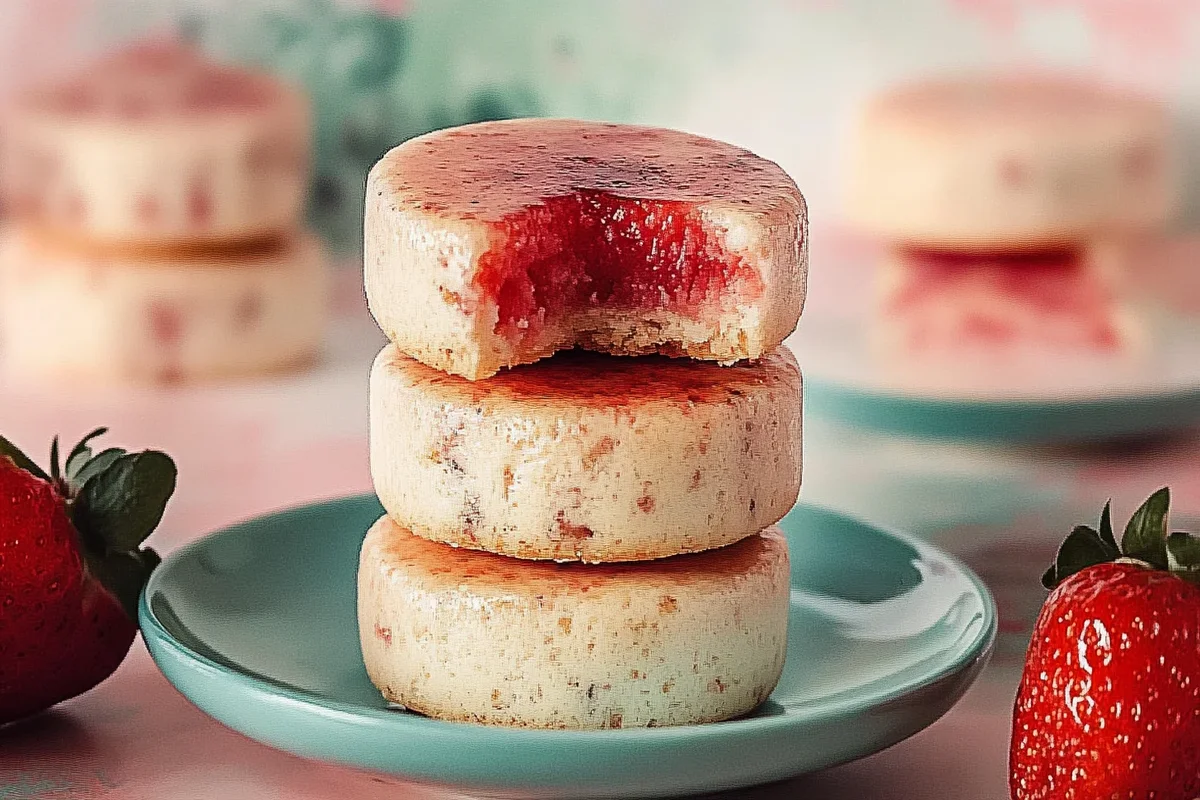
(500, 243)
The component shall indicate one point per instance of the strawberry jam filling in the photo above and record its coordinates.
(596, 250)
(1054, 296)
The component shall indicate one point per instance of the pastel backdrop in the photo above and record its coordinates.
(782, 77)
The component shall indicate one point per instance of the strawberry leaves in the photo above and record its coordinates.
(1183, 553)
(1106, 528)
(80, 455)
(118, 500)
(124, 574)
(1146, 534)
(94, 466)
(115, 499)
(13, 453)
(55, 473)
(1145, 540)
(82, 465)
(124, 502)
(1084, 547)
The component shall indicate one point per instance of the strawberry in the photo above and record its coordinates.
(72, 567)
(1109, 702)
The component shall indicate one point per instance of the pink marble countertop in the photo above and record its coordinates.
(251, 448)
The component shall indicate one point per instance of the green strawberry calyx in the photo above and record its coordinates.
(1145, 542)
(115, 500)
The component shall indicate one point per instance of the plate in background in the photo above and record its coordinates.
(256, 626)
(1017, 421)
(1054, 401)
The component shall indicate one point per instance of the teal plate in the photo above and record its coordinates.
(256, 625)
(1046, 400)
(1014, 421)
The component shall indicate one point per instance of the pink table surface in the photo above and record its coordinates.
(251, 448)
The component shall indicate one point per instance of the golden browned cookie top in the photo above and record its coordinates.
(580, 378)
(457, 569)
(490, 170)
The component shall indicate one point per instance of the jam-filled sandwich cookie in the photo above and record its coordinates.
(588, 457)
(98, 317)
(157, 144)
(500, 243)
(1011, 162)
(482, 638)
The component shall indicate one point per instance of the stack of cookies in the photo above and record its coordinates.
(157, 201)
(576, 538)
(1001, 198)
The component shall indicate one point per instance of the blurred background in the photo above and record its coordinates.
(780, 77)
(787, 79)
(996, 476)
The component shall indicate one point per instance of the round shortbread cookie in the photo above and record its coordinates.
(500, 243)
(155, 143)
(1004, 163)
(70, 314)
(588, 457)
(482, 638)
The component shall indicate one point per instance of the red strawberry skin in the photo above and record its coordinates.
(61, 632)
(1109, 703)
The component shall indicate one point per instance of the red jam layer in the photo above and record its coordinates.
(1057, 286)
(588, 214)
(593, 249)
(1052, 281)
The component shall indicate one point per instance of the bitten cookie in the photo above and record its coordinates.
(481, 638)
(500, 243)
(587, 457)
(71, 314)
(1003, 163)
(157, 144)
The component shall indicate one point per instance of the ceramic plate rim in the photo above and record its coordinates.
(1002, 420)
(980, 646)
(1118, 395)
